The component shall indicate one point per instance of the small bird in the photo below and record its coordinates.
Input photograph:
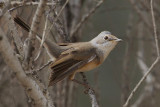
(71, 58)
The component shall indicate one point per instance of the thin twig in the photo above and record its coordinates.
(86, 17)
(57, 16)
(61, 10)
(90, 92)
(140, 82)
(150, 80)
(141, 14)
(34, 27)
(153, 64)
(17, 4)
(127, 57)
(42, 67)
(44, 36)
(30, 3)
(59, 27)
(155, 29)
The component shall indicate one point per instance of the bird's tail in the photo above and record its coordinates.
(21, 23)
(52, 48)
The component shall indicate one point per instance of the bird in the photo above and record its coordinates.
(71, 58)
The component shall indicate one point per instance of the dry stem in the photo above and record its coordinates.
(153, 64)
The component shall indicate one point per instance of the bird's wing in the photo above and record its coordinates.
(64, 44)
(68, 63)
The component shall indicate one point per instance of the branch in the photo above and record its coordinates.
(125, 87)
(56, 20)
(39, 69)
(34, 28)
(90, 92)
(32, 89)
(153, 64)
(155, 30)
(61, 10)
(4, 5)
(140, 82)
(35, 91)
(86, 17)
(140, 13)
(18, 4)
(150, 80)
(7, 19)
(59, 27)
(44, 36)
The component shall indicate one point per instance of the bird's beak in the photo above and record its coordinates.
(114, 39)
(118, 40)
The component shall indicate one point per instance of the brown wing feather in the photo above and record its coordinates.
(68, 72)
(61, 71)
(69, 61)
(60, 68)
(65, 64)
(71, 67)
(21, 23)
(64, 44)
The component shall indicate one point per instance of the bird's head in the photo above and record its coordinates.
(105, 41)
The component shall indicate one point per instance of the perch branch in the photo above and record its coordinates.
(90, 92)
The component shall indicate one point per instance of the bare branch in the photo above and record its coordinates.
(127, 57)
(90, 92)
(86, 17)
(44, 36)
(7, 19)
(14, 3)
(61, 10)
(18, 4)
(155, 29)
(140, 82)
(34, 27)
(153, 64)
(59, 27)
(32, 89)
(35, 71)
(141, 14)
(57, 17)
(150, 80)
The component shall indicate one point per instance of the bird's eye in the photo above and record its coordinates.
(106, 37)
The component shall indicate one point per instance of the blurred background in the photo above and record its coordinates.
(113, 81)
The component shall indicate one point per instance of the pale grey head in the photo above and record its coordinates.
(105, 37)
(105, 42)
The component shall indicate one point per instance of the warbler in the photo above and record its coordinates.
(70, 58)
